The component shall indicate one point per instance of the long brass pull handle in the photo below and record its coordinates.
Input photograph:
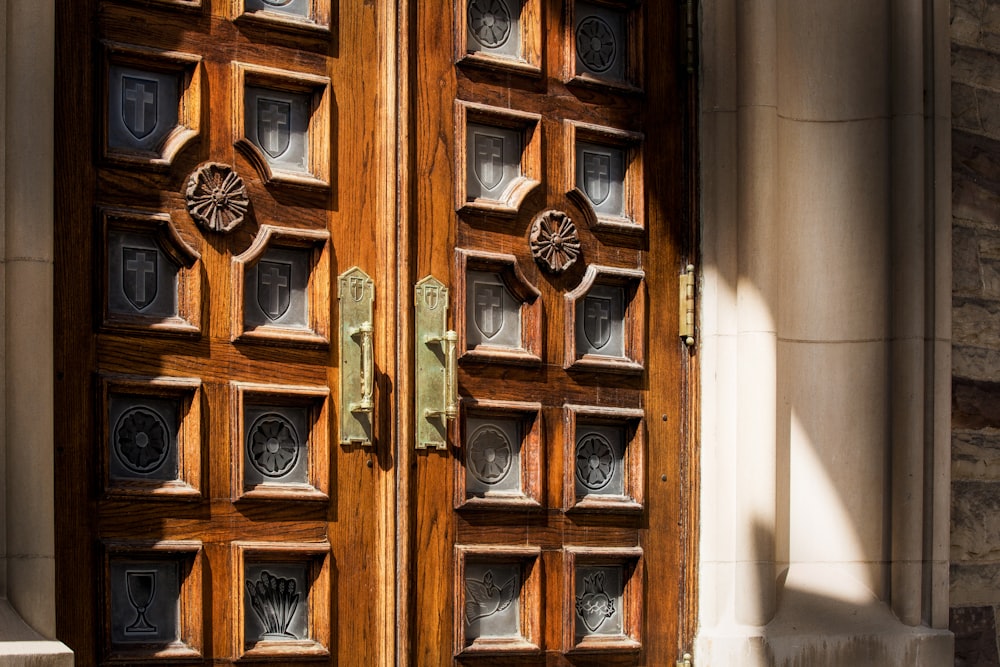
(450, 374)
(366, 404)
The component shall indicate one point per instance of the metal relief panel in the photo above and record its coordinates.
(142, 107)
(145, 602)
(277, 122)
(600, 321)
(600, 174)
(494, 27)
(292, 7)
(142, 438)
(493, 314)
(275, 445)
(276, 606)
(492, 600)
(493, 160)
(598, 460)
(492, 455)
(275, 290)
(141, 278)
(600, 41)
(598, 600)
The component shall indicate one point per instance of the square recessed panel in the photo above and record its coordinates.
(275, 447)
(275, 290)
(598, 601)
(276, 603)
(142, 107)
(277, 122)
(600, 174)
(494, 315)
(291, 7)
(493, 27)
(598, 460)
(600, 321)
(145, 602)
(601, 48)
(492, 456)
(142, 279)
(493, 160)
(142, 432)
(492, 601)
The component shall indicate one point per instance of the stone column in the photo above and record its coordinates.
(824, 383)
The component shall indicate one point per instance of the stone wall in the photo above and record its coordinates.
(975, 540)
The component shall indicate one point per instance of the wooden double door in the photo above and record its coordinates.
(367, 340)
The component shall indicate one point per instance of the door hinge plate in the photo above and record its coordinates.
(686, 661)
(685, 321)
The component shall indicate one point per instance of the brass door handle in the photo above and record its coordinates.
(366, 404)
(436, 395)
(356, 293)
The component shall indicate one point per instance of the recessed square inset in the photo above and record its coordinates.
(281, 596)
(142, 279)
(142, 107)
(598, 597)
(277, 600)
(605, 454)
(143, 438)
(152, 599)
(494, 315)
(600, 39)
(145, 602)
(291, 7)
(497, 600)
(600, 321)
(492, 456)
(600, 174)
(493, 160)
(275, 291)
(277, 122)
(276, 445)
(493, 27)
(604, 599)
(599, 461)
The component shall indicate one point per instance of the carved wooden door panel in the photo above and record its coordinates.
(221, 494)
(552, 205)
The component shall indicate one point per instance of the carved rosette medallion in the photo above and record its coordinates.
(554, 241)
(217, 197)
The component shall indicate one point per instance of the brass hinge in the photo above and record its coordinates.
(685, 661)
(685, 321)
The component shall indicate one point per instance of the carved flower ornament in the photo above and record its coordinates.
(554, 241)
(217, 197)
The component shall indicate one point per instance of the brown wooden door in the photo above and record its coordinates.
(220, 167)
(551, 199)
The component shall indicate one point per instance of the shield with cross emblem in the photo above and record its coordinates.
(489, 159)
(597, 176)
(597, 320)
(489, 308)
(139, 272)
(139, 105)
(274, 280)
(273, 126)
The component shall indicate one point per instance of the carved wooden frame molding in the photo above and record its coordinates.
(634, 321)
(318, 133)
(315, 402)
(187, 393)
(187, 68)
(530, 127)
(529, 416)
(187, 322)
(530, 601)
(633, 26)
(632, 463)
(316, 557)
(632, 222)
(528, 63)
(188, 554)
(530, 352)
(317, 23)
(317, 242)
(630, 560)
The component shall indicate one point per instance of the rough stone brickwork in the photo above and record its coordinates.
(975, 538)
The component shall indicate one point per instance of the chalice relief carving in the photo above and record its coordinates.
(140, 586)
